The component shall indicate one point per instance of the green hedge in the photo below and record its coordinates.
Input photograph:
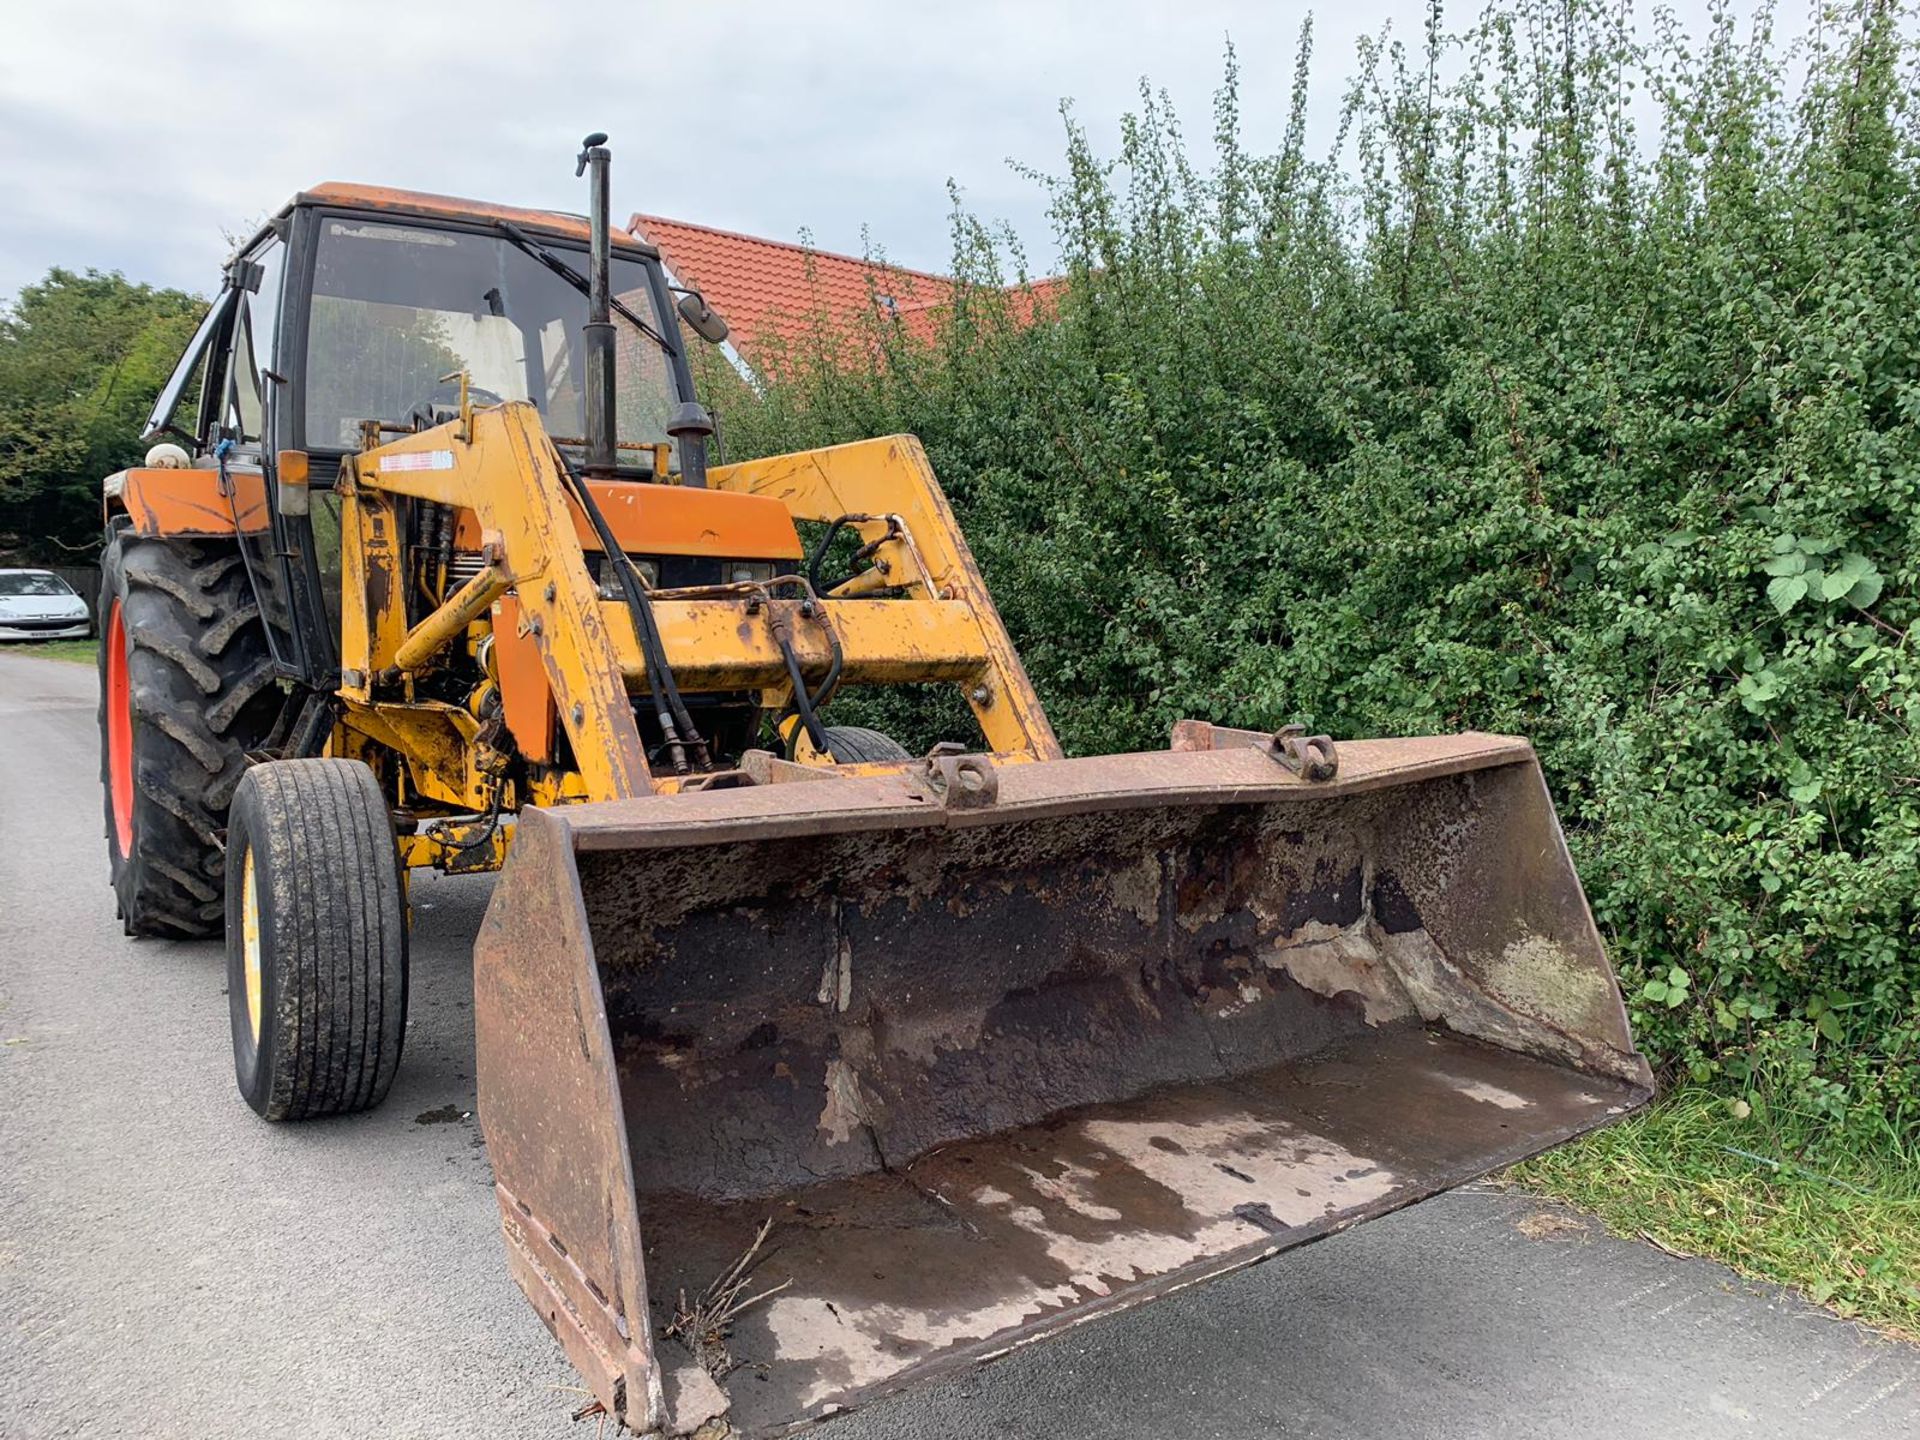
(1499, 417)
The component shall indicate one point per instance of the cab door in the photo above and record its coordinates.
(252, 414)
(240, 438)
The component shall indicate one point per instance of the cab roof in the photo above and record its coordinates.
(385, 200)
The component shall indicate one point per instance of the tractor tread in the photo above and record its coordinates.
(237, 695)
(222, 631)
(186, 732)
(189, 812)
(202, 693)
(187, 657)
(182, 589)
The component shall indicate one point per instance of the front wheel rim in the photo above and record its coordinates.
(250, 941)
(119, 733)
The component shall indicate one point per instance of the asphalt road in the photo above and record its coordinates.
(171, 1266)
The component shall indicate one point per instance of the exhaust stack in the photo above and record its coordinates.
(598, 331)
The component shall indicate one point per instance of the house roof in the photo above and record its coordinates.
(770, 288)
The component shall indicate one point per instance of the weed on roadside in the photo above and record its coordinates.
(1694, 1176)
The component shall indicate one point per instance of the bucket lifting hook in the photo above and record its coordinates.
(957, 780)
(1311, 757)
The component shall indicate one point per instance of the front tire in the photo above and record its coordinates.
(856, 745)
(316, 939)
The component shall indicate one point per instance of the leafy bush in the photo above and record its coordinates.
(1499, 417)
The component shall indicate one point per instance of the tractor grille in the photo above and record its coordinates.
(464, 566)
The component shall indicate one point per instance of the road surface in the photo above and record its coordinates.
(171, 1266)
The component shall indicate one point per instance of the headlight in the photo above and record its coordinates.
(749, 572)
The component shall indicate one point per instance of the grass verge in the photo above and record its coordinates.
(1845, 1234)
(78, 652)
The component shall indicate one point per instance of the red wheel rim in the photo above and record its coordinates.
(119, 734)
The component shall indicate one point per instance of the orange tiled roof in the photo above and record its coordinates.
(770, 288)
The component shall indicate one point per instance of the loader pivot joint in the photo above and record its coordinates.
(959, 782)
(1311, 757)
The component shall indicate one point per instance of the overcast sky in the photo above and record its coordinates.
(137, 136)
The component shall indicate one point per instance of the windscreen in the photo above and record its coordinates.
(32, 582)
(398, 307)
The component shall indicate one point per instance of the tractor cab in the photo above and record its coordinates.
(359, 313)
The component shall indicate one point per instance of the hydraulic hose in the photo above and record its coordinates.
(676, 725)
(804, 704)
(831, 681)
(820, 551)
(802, 700)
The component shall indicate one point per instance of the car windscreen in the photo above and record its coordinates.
(397, 308)
(32, 582)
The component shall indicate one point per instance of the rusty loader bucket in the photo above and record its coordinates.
(976, 1053)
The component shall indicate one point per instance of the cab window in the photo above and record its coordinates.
(246, 402)
(253, 336)
(165, 419)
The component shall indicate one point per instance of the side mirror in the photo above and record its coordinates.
(702, 317)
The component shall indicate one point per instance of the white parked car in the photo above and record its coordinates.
(39, 605)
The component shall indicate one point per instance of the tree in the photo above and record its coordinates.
(81, 359)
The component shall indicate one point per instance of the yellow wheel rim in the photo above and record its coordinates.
(250, 941)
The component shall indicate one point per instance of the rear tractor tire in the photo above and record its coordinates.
(316, 939)
(857, 745)
(186, 689)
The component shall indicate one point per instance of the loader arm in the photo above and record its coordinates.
(891, 476)
(499, 464)
(920, 614)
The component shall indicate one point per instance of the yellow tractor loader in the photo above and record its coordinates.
(808, 1068)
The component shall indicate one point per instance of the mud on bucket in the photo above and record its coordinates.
(971, 1067)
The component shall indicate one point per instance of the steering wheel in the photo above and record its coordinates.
(444, 399)
(476, 394)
